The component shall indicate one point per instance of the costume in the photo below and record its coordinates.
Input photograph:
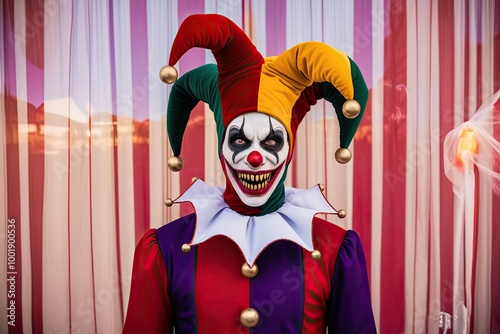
(253, 258)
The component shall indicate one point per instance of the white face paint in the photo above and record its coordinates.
(255, 150)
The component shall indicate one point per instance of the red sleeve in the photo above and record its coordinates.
(149, 309)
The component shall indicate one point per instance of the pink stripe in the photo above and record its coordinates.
(392, 306)
(275, 27)
(14, 265)
(495, 235)
(192, 152)
(362, 162)
(446, 63)
(138, 35)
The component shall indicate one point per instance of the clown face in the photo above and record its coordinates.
(254, 153)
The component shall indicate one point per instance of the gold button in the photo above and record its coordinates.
(341, 213)
(249, 272)
(186, 248)
(316, 254)
(249, 317)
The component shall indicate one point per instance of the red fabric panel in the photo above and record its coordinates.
(148, 279)
(446, 63)
(139, 47)
(327, 239)
(12, 286)
(193, 150)
(392, 306)
(219, 261)
(362, 157)
(495, 235)
(36, 158)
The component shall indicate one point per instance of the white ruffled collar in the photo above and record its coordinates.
(292, 221)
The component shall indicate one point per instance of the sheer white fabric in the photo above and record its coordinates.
(98, 107)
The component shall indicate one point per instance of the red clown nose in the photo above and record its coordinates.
(255, 159)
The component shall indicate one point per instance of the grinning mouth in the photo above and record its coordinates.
(254, 183)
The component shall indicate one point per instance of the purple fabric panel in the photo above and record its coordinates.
(181, 276)
(277, 292)
(350, 308)
(275, 27)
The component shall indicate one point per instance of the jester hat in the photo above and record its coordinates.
(242, 81)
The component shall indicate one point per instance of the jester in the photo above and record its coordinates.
(253, 257)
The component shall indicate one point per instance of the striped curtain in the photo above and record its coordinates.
(83, 151)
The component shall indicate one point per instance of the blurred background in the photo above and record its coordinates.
(83, 151)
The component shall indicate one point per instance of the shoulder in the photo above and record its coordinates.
(327, 234)
(177, 229)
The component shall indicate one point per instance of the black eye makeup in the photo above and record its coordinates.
(274, 141)
(237, 141)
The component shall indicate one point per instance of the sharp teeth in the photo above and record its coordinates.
(252, 177)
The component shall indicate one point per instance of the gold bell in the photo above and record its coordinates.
(249, 272)
(168, 74)
(186, 248)
(249, 317)
(341, 213)
(343, 155)
(169, 202)
(351, 109)
(175, 163)
(316, 254)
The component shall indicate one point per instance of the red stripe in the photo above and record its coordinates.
(36, 155)
(229, 299)
(193, 149)
(446, 77)
(362, 162)
(495, 235)
(138, 32)
(13, 286)
(392, 306)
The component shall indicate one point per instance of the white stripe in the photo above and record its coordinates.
(257, 25)
(338, 33)
(298, 29)
(23, 127)
(413, 27)
(434, 258)
(377, 152)
(458, 218)
(82, 285)
(55, 279)
(106, 276)
(171, 188)
(124, 103)
(3, 186)
(484, 256)
(158, 43)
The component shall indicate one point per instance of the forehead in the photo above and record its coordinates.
(255, 121)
